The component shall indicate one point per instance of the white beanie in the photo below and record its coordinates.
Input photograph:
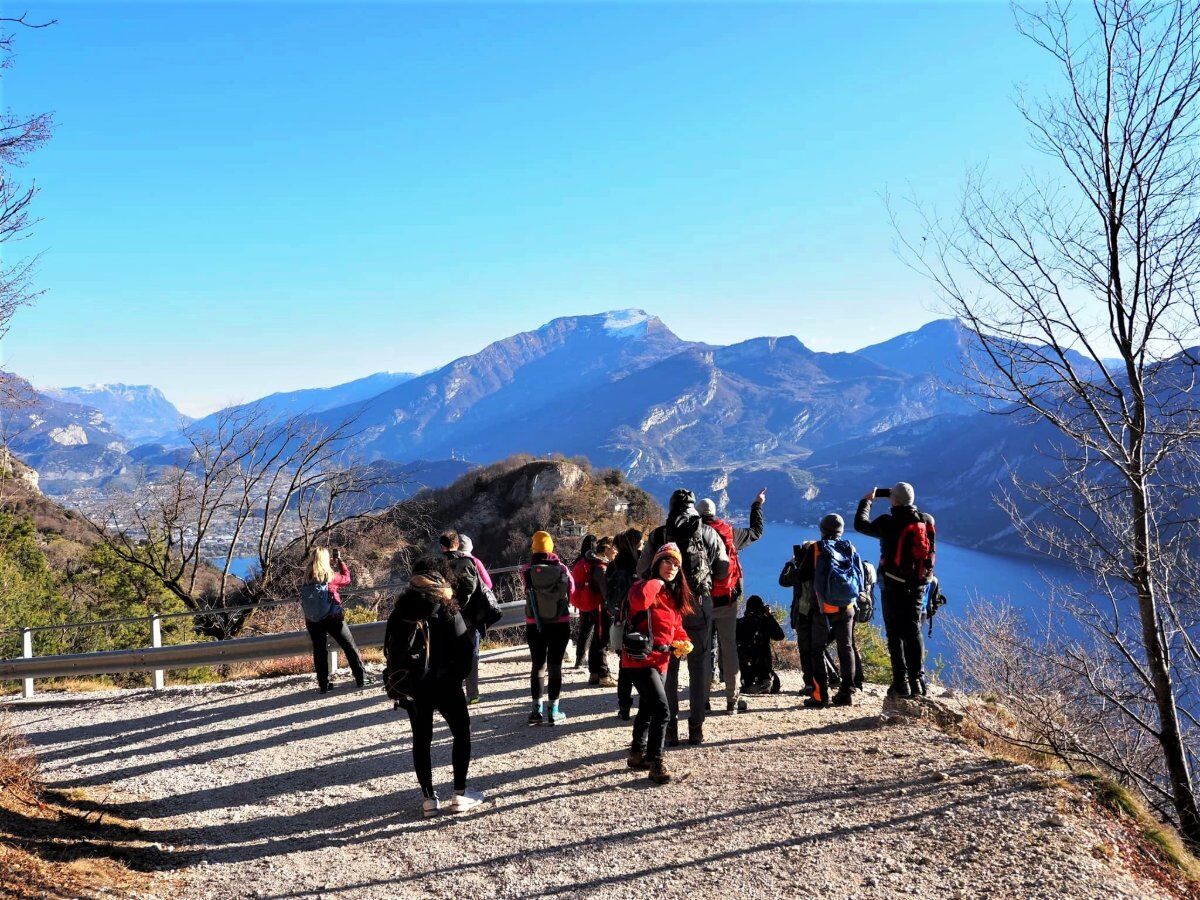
(903, 494)
(465, 545)
(706, 508)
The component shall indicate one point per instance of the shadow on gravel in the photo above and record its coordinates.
(744, 820)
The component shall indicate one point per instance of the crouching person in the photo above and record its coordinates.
(756, 629)
(654, 631)
(429, 649)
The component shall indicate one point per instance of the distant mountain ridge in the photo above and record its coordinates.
(624, 390)
(139, 412)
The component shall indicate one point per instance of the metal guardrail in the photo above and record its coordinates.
(159, 659)
(209, 653)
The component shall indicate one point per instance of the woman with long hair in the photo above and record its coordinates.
(324, 615)
(654, 631)
(429, 600)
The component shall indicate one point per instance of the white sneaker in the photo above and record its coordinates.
(465, 802)
(431, 806)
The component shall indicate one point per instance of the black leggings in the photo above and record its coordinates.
(446, 697)
(902, 606)
(336, 628)
(650, 723)
(547, 648)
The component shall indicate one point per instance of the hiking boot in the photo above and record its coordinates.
(733, 707)
(658, 772)
(606, 681)
(899, 691)
(673, 734)
(555, 716)
(918, 688)
(637, 759)
(695, 735)
(473, 701)
(465, 801)
(843, 698)
(814, 703)
(431, 806)
(624, 713)
(535, 718)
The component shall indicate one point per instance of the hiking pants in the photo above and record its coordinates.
(699, 663)
(804, 649)
(616, 635)
(838, 627)
(447, 698)
(902, 620)
(725, 627)
(595, 625)
(547, 648)
(473, 675)
(650, 723)
(333, 627)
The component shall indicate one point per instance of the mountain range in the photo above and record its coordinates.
(624, 390)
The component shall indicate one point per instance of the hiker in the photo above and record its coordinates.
(581, 637)
(801, 609)
(727, 591)
(428, 648)
(620, 577)
(548, 589)
(756, 629)
(654, 635)
(907, 544)
(839, 581)
(324, 615)
(704, 562)
(591, 584)
(485, 578)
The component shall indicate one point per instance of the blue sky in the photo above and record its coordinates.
(244, 198)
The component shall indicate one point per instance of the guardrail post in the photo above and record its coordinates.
(156, 641)
(27, 652)
(333, 652)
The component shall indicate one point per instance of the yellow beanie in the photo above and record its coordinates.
(543, 543)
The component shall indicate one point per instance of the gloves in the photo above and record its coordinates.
(681, 648)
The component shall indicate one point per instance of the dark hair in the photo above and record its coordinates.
(603, 545)
(437, 566)
(680, 593)
(586, 546)
(449, 539)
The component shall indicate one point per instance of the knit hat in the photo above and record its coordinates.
(543, 543)
(903, 494)
(465, 545)
(707, 508)
(666, 551)
(832, 526)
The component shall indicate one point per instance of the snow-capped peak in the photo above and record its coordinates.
(626, 322)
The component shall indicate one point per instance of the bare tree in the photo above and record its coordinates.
(249, 485)
(1081, 289)
(20, 135)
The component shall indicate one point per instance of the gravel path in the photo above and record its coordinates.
(266, 789)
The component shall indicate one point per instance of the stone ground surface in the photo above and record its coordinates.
(267, 789)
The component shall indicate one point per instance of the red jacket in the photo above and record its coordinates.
(340, 580)
(665, 621)
(588, 574)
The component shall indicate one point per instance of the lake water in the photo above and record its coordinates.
(965, 575)
(239, 566)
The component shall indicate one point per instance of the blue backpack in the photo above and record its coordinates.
(839, 575)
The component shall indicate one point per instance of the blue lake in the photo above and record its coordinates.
(965, 575)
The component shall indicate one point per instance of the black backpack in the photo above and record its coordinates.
(406, 649)
(618, 581)
(696, 568)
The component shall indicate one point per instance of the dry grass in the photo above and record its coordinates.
(1148, 846)
(50, 844)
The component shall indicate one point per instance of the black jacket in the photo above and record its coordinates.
(755, 631)
(682, 523)
(451, 643)
(888, 527)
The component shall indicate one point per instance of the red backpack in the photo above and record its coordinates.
(724, 587)
(913, 560)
